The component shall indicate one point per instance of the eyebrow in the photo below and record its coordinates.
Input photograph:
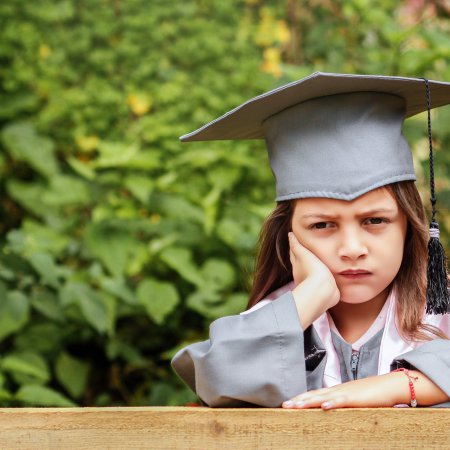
(371, 212)
(318, 216)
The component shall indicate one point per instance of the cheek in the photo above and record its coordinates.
(392, 251)
(324, 251)
(397, 243)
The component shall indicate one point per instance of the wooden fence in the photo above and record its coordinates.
(210, 429)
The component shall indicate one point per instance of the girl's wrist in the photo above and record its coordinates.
(401, 391)
(312, 299)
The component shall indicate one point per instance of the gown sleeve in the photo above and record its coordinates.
(250, 359)
(433, 360)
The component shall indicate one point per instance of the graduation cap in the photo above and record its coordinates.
(340, 136)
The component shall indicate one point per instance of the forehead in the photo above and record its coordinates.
(380, 198)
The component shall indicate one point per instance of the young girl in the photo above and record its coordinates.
(336, 315)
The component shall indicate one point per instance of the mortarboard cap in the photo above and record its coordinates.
(331, 135)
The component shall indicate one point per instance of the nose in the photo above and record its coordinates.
(352, 245)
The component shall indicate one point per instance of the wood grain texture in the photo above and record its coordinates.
(203, 428)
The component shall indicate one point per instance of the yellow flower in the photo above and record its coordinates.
(87, 143)
(140, 103)
(283, 33)
(44, 51)
(155, 218)
(271, 62)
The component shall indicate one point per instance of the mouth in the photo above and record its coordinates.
(353, 274)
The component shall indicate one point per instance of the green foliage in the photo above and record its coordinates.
(72, 373)
(14, 311)
(119, 244)
(159, 299)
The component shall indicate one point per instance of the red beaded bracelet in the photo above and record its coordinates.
(411, 385)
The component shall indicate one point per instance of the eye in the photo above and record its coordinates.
(376, 220)
(321, 225)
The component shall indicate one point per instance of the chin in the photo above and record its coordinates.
(354, 301)
(358, 294)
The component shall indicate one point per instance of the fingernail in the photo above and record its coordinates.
(327, 405)
(288, 404)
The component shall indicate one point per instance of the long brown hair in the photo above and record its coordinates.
(273, 267)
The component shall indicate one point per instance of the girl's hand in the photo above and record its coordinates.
(311, 273)
(378, 391)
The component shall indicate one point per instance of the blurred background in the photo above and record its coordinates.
(119, 245)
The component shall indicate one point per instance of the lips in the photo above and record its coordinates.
(355, 274)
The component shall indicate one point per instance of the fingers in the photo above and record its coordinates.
(294, 244)
(297, 253)
(311, 399)
(298, 250)
(303, 261)
(320, 398)
(291, 256)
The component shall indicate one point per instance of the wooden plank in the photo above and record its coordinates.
(204, 428)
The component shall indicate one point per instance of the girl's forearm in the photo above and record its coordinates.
(427, 392)
(373, 392)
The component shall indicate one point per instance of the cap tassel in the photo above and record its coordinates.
(437, 290)
(438, 299)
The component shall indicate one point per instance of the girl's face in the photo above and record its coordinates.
(360, 241)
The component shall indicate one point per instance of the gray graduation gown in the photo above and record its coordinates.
(264, 358)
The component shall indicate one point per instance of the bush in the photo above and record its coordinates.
(119, 244)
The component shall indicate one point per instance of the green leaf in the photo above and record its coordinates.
(165, 394)
(43, 198)
(177, 207)
(65, 190)
(114, 154)
(53, 13)
(5, 395)
(2, 380)
(35, 237)
(119, 289)
(91, 304)
(224, 177)
(110, 303)
(28, 195)
(140, 186)
(45, 266)
(156, 245)
(144, 161)
(6, 273)
(14, 311)
(81, 169)
(158, 298)
(217, 274)
(26, 363)
(45, 338)
(180, 260)
(24, 144)
(204, 302)
(236, 235)
(72, 373)
(231, 305)
(116, 348)
(214, 305)
(211, 206)
(42, 396)
(115, 248)
(12, 105)
(48, 305)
